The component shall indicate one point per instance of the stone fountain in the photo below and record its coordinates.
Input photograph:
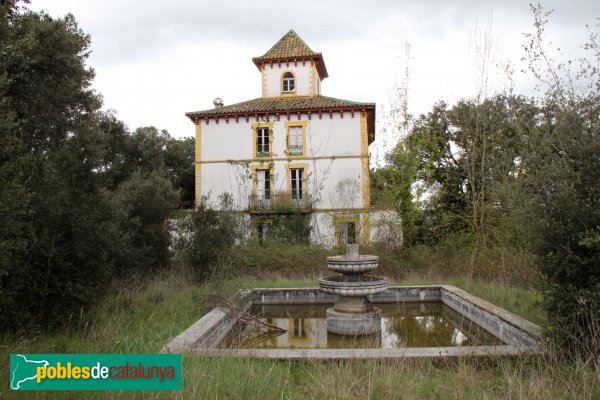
(353, 313)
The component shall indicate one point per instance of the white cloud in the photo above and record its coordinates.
(157, 60)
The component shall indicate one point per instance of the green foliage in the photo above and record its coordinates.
(73, 208)
(280, 259)
(208, 236)
(54, 240)
(149, 150)
(564, 182)
(179, 160)
(463, 157)
(140, 317)
(289, 228)
(142, 205)
(567, 214)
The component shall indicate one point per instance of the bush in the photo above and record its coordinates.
(141, 205)
(280, 259)
(567, 230)
(207, 237)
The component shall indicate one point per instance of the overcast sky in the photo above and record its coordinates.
(154, 60)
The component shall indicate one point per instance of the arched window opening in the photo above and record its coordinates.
(288, 84)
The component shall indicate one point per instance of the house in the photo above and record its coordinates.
(292, 157)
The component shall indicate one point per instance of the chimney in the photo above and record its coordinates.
(218, 102)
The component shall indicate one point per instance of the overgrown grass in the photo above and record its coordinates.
(280, 260)
(140, 316)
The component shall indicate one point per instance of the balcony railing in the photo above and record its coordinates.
(296, 149)
(280, 203)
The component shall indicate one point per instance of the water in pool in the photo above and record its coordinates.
(427, 324)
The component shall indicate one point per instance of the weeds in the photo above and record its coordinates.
(141, 315)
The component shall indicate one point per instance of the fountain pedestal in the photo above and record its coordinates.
(353, 313)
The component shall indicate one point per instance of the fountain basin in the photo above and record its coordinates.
(362, 264)
(515, 335)
(369, 285)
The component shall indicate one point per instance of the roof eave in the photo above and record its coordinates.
(204, 114)
(195, 116)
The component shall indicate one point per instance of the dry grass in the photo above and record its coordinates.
(142, 315)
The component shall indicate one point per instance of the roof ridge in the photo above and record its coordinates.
(286, 45)
(292, 47)
(301, 40)
(290, 32)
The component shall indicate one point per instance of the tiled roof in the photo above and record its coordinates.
(278, 104)
(289, 46)
(292, 47)
(284, 105)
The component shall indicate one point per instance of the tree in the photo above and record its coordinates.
(79, 195)
(148, 151)
(179, 160)
(563, 177)
(463, 157)
(141, 206)
(54, 239)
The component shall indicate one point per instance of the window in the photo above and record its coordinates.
(287, 83)
(262, 142)
(262, 232)
(262, 139)
(263, 184)
(297, 180)
(261, 197)
(297, 185)
(296, 140)
(262, 229)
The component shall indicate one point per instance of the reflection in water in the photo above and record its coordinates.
(403, 325)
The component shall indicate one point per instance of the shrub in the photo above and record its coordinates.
(141, 205)
(208, 235)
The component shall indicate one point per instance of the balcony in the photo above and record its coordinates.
(279, 203)
(296, 149)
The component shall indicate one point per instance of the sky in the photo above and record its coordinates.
(154, 60)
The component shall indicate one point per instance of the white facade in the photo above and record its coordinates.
(332, 157)
(308, 82)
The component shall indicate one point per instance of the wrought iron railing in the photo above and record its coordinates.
(296, 149)
(280, 203)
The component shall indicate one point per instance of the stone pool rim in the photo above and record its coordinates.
(521, 336)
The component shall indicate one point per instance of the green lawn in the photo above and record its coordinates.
(142, 317)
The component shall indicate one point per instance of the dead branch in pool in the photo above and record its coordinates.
(244, 318)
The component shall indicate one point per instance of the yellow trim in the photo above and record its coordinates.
(288, 176)
(247, 160)
(365, 174)
(254, 128)
(366, 228)
(288, 125)
(312, 78)
(254, 224)
(293, 92)
(365, 177)
(263, 71)
(265, 167)
(361, 210)
(339, 220)
(198, 165)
